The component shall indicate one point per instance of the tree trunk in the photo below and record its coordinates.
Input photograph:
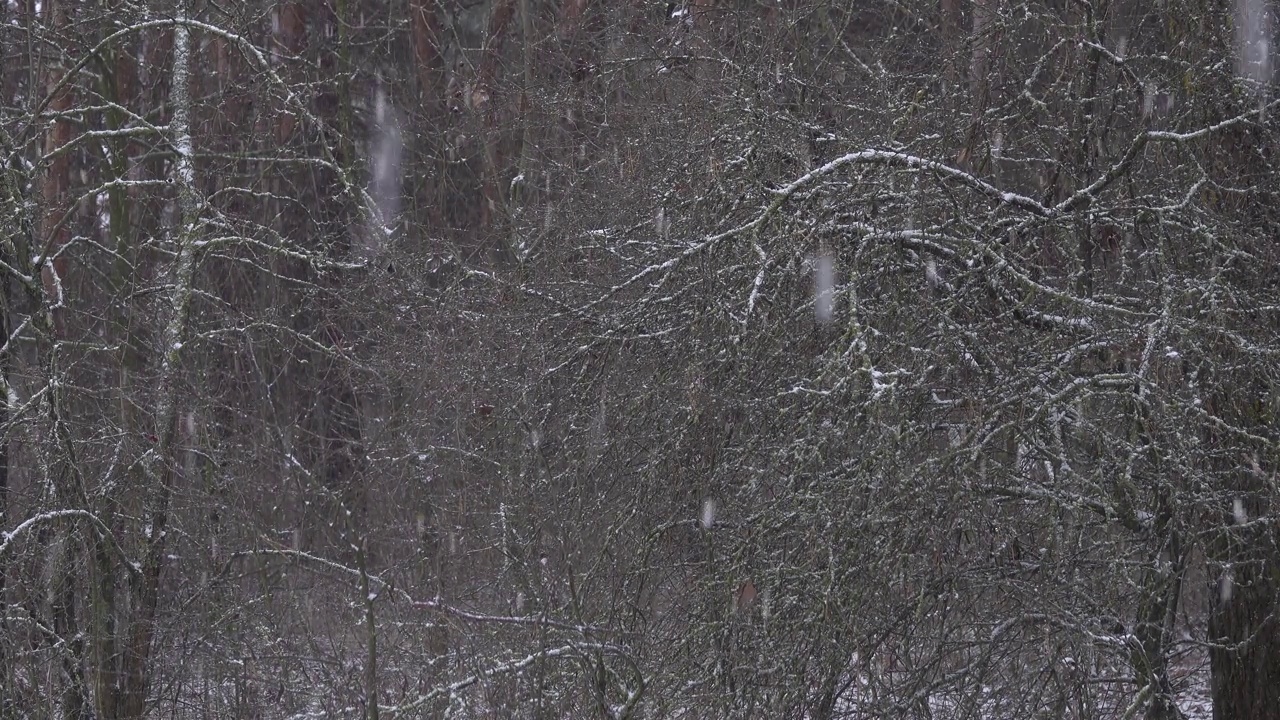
(429, 61)
(8, 707)
(162, 468)
(1244, 631)
(495, 36)
(1245, 661)
(54, 231)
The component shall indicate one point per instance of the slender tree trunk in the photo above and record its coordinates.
(1153, 625)
(8, 706)
(67, 627)
(9, 252)
(162, 467)
(429, 61)
(952, 19)
(429, 58)
(495, 37)
(55, 232)
(104, 570)
(371, 631)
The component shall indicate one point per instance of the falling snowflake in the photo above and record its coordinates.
(824, 276)
(708, 513)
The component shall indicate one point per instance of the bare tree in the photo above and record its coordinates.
(615, 359)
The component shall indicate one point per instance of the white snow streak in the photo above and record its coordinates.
(387, 152)
(1253, 41)
(1238, 512)
(824, 277)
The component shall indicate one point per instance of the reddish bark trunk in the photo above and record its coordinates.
(57, 179)
(571, 12)
(499, 24)
(429, 61)
(427, 55)
(290, 38)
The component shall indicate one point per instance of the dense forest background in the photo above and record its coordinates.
(629, 359)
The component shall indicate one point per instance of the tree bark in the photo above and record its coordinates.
(55, 233)
(429, 61)
(495, 37)
(162, 469)
(1244, 627)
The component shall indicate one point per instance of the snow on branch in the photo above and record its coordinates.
(1079, 199)
(435, 604)
(503, 669)
(889, 157)
(292, 99)
(7, 538)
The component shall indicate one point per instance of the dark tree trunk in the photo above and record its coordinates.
(1244, 632)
